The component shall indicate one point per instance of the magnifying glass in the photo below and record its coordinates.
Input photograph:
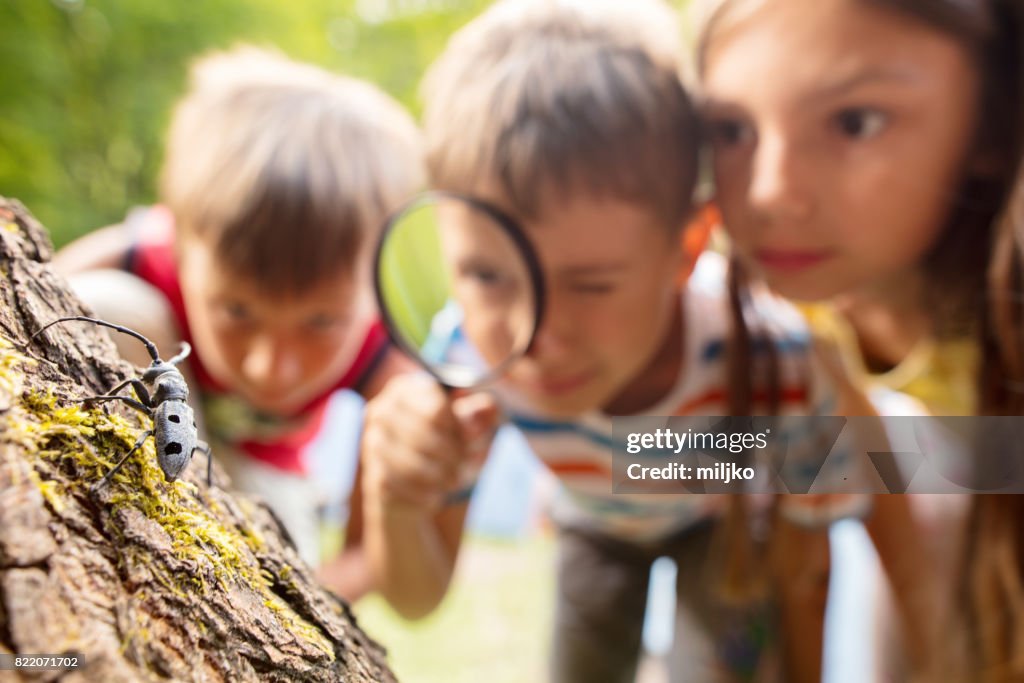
(459, 287)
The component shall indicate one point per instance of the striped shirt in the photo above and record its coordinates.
(579, 451)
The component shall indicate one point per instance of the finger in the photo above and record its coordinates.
(421, 403)
(477, 415)
(405, 460)
(425, 424)
(441, 444)
(416, 393)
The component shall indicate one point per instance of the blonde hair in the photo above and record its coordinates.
(542, 98)
(286, 169)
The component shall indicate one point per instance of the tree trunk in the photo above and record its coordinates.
(146, 580)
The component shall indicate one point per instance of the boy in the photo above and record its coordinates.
(277, 177)
(574, 122)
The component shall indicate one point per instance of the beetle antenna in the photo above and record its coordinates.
(150, 346)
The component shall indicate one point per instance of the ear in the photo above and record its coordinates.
(694, 238)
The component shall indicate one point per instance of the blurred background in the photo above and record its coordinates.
(86, 86)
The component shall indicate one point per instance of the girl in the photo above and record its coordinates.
(863, 149)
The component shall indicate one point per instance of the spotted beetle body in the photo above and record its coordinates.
(173, 441)
(161, 393)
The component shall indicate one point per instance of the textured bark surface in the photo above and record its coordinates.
(145, 579)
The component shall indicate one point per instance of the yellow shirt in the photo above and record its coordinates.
(941, 375)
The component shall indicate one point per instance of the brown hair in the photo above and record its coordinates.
(547, 98)
(982, 240)
(742, 552)
(288, 170)
(992, 590)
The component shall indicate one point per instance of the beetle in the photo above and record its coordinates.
(162, 394)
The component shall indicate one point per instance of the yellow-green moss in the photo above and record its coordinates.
(51, 493)
(94, 441)
(294, 624)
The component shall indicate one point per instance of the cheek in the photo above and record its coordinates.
(219, 348)
(224, 351)
(639, 320)
(895, 217)
(490, 338)
(731, 200)
(907, 242)
(731, 172)
(330, 355)
(317, 354)
(904, 193)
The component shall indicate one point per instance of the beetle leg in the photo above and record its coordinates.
(204, 447)
(137, 385)
(130, 401)
(116, 468)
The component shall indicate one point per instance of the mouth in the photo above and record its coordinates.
(560, 386)
(791, 260)
(276, 403)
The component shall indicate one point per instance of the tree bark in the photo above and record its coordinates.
(146, 580)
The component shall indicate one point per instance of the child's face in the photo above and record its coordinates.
(611, 272)
(840, 132)
(276, 352)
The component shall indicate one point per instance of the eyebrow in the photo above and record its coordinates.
(860, 77)
(711, 106)
(595, 269)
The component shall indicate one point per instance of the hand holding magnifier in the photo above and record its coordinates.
(459, 289)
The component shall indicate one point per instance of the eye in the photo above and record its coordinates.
(860, 123)
(236, 311)
(324, 322)
(729, 132)
(487, 277)
(484, 275)
(595, 288)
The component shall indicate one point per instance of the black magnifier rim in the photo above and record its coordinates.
(511, 228)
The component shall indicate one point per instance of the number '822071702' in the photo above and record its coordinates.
(12, 662)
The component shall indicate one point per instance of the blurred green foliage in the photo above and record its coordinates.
(86, 86)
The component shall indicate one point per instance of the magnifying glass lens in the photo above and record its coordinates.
(458, 287)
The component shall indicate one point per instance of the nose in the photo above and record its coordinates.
(779, 183)
(270, 362)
